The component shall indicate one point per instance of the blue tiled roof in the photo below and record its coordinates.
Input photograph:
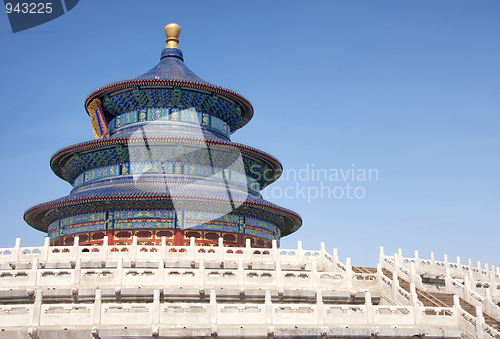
(153, 89)
(172, 68)
(156, 192)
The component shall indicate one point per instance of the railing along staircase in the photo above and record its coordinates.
(433, 299)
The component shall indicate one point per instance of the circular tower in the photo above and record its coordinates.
(163, 165)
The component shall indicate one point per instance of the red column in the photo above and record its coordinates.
(178, 237)
(111, 237)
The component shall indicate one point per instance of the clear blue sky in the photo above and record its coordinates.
(409, 88)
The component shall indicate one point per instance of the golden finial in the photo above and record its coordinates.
(172, 31)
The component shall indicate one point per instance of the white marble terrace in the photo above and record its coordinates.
(196, 291)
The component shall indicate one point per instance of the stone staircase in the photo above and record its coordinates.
(446, 300)
(366, 270)
(433, 299)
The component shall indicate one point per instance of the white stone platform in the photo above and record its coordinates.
(194, 291)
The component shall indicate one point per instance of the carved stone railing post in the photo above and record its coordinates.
(119, 270)
(379, 274)
(413, 294)
(322, 254)
(75, 251)
(77, 272)
(447, 280)
(348, 272)
(300, 253)
(156, 308)
(491, 274)
(416, 260)
(433, 263)
(456, 302)
(381, 256)
(277, 267)
(133, 248)
(17, 250)
(241, 273)
(279, 275)
(370, 312)
(201, 276)
(213, 308)
(314, 277)
(45, 251)
(479, 269)
(268, 311)
(37, 309)
(396, 262)
(488, 303)
(320, 307)
(33, 275)
(248, 250)
(161, 271)
(104, 248)
(467, 288)
(274, 250)
(417, 277)
(335, 259)
(163, 247)
(416, 304)
(413, 275)
(97, 308)
(395, 285)
(220, 250)
(493, 289)
(457, 307)
(479, 322)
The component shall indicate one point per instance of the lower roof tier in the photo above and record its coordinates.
(211, 196)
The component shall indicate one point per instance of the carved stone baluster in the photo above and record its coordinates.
(349, 272)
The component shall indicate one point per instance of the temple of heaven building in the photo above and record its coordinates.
(162, 165)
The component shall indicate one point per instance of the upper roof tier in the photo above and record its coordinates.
(172, 84)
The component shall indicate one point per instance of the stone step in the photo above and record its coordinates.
(367, 270)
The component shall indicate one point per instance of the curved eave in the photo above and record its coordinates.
(61, 155)
(35, 215)
(121, 85)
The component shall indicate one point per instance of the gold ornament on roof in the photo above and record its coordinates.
(99, 124)
(172, 31)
